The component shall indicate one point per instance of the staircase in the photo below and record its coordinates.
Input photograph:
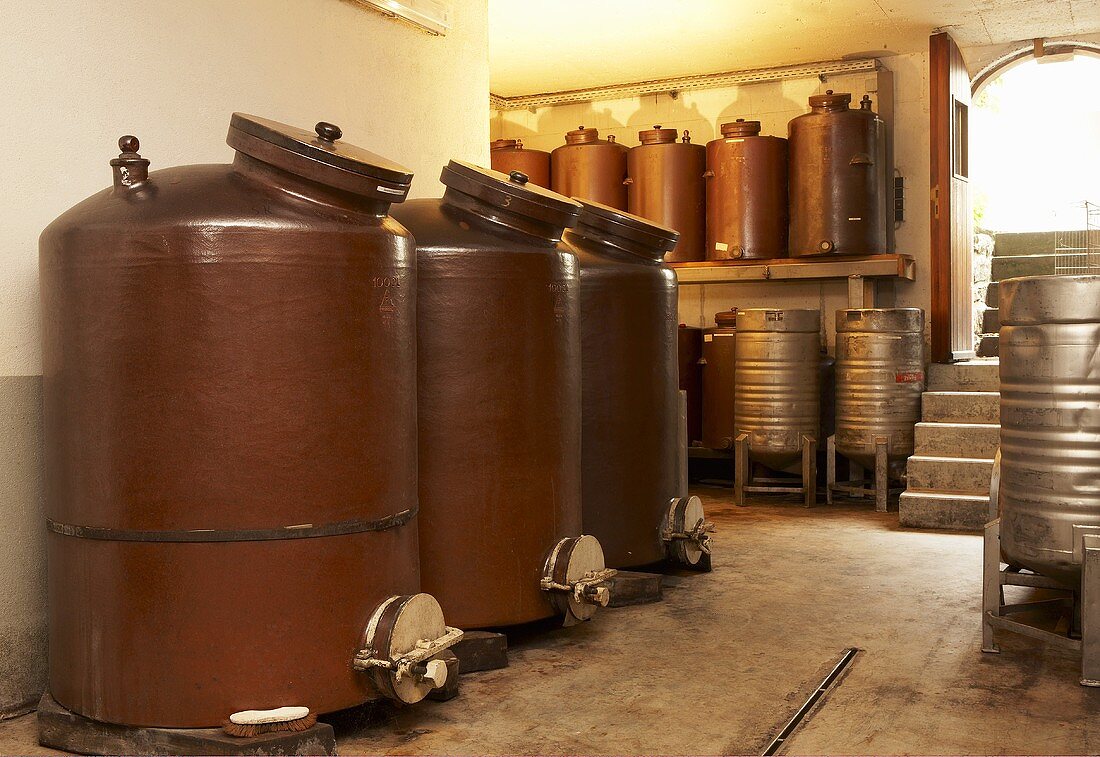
(948, 476)
(1021, 254)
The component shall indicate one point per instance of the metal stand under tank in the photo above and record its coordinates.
(878, 486)
(745, 482)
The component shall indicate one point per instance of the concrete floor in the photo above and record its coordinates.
(722, 663)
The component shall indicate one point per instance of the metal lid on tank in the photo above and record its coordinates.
(657, 136)
(830, 101)
(505, 144)
(319, 156)
(726, 319)
(637, 235)
(582, 136)
(1031, 300)
(511, 191)
(741, 128)
(775, 319)
(895, 320)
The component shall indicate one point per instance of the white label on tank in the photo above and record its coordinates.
(708, 337)
(721, 246)
(855, 219)
(735, 139)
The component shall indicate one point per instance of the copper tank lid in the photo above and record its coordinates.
(741, 128)
(657, 136)
(506, 144)
(726, 319)
(636, 234)
(830, 101)
(319, 156)
(582, 136)
(510, 191)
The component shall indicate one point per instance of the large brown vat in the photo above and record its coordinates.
(230, 428)
(689, 353)
(507, 155)
(719, 384)
(838, 179)
(746, 194)
(665, 184)
(630, 404)
(590, 168)
(499, 368)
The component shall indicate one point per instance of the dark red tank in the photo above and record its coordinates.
(719, 380)
(689, 349)
(230, 429)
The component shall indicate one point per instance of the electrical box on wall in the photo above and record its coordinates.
(433, 16)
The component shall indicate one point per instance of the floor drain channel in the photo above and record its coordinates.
(804, 710)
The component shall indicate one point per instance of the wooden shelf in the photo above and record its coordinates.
(796, 269)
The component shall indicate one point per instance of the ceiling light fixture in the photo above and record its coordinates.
(433, 16)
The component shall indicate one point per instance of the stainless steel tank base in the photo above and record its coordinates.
(745, 483)
(1080, 603)
(856, 485)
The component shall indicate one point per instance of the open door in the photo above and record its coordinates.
(952, 219)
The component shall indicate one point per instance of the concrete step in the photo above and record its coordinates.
(1022, 265)
(1023, 243)
(961, 407)
(957, 512)
(991, 321)
(968, 376)
(957, 439)
(959, 475)
(993, 294)
(989, 346)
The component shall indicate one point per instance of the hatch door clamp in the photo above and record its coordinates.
(588, 588)
(412, 663)
(699, 534)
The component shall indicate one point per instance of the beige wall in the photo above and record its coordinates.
(773, 104)
(79, 75)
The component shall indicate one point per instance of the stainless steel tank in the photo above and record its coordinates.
(778, 380)
(630, 400)
(665, 184)
(746, 176)
(590, 168)
(229, 372)
(879, 382)
(499, 401)
(719, 380)
(1050, 420)
(838, 179)
(507, 155)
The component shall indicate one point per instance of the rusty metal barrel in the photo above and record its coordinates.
(229, 372)
(778, 380)
(665, 184)
(590, 168)
(630, 403)
(879, 383)
(689, 353)
(499, 389)
(507, 155)
(838, 179)
(746, 194)
(719, 381)
(1050, 421)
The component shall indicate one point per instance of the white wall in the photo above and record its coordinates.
(774, 104)
(80, 73)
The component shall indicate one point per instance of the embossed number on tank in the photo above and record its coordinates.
(387, 305)
(558, 292)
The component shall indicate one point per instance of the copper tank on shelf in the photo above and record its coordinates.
(689, 353)
(665, 185)
(838, 179)
(590, 168)
(229, 374)
(630, 404)
(507, 155)
(499, 387)
(719, 384)
(746, 194)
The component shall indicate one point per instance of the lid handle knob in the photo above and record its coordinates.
(328, 132)
(128, 143)
(656, 126)
(519, 177)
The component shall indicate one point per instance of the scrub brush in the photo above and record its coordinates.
(251, 723)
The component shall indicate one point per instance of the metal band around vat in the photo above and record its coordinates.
(304, 531)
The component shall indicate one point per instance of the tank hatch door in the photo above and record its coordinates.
(686, 532)
(575, 577)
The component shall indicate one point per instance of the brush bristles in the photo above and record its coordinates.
(251, 730)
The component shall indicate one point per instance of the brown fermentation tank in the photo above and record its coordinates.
(689, 349)
(499, 401)
(665, 184)
(230, 425)
(838, 179)
(630, 407)
(718, 381)
(509, 155)
(746, 194)
(590, 168)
